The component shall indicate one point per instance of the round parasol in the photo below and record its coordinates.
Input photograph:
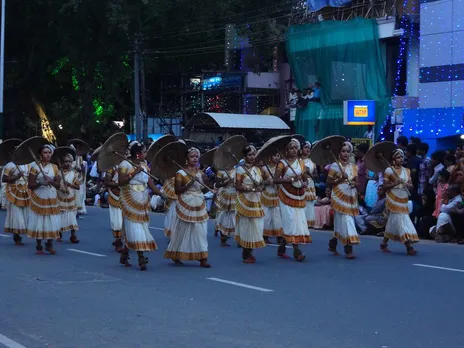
(378, 156)
(190, 143)
(272, 146)
(326, 150)
(95, 153)
(229, 153)
(23, 155)
(299, 137)
(60, 152)
(168, 159)
(82, 148)
(207, 158)
(158, 144)
(112, 151)
(7, 149)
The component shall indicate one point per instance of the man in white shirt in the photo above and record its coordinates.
(445, 230)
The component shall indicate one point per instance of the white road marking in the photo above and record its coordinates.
(240, 284)
(86, 252)
(438, 267)
(277, 245)
(9, 342)
(157, 228)
(4, 235)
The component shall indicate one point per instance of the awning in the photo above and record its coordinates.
(241, 121)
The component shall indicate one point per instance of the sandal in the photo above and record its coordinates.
(124, 258)
(384, 248)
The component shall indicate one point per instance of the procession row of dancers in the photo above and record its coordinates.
(254, 202)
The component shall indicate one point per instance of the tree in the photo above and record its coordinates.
(75, 56)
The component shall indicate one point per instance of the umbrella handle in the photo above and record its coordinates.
(19, 170)
(194, 177)
(62, 175)
(338, 163)
(135, 166)
(288, 164)
(245, 168)
(36, 161)
(394, 172)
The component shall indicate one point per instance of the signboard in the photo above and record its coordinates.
(358, 112)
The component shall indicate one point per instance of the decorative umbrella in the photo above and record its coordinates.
(82, 148)
(60, 152)
(7, 149)
(229, 153)
(190, 143)
(157, 145)
(272, 146)
(377, 156)
(27, 151)
(112, 152)
(95, 153)
(299, 137)
(168, 161)
(207, 158)
(327, 150)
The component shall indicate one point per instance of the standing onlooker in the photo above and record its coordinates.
(425, 167)
(449, 162)
(361, 150)
(413, 164)
(316, 92)
(369, 133)
(402, 143)
(437, 164)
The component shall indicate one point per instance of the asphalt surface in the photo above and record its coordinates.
(88, 300)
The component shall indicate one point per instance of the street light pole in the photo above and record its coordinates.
(2, 65)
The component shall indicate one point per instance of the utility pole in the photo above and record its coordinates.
(2, 66)
(144, 100)
(137, 111)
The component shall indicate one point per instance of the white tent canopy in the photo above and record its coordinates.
(239, 121)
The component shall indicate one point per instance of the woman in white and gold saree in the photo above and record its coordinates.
(135, 206)
(250, 213)
(189, 240)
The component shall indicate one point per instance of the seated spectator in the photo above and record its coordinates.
(424, 215)
(458, 221)
(374, 221)
(445, 230)
(443, 178)
(323, 211)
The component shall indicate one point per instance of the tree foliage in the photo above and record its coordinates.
(76, 56)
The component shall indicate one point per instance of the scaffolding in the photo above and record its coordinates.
(358, 8)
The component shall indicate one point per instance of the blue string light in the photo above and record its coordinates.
(399, 63)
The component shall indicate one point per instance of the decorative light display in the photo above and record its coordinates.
(100, 108)
(47, 131)
(399, 64)
(431, 121)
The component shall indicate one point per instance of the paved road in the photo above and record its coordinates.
(88, 300)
